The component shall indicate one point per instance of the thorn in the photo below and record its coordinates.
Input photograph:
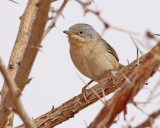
(137, 57)
(146, 83)
(11, 66)
(134, 103)
(85, 123)
(106, 25)
(150, 35)
(29, 80)
(128, 61)
(19, 63)
(156, 34)
(124, 30)
(14, 1)
(53, 107)
(20, 17)
(38, 3)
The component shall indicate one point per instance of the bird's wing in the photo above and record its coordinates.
(109, 49)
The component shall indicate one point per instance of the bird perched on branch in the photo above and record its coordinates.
(91, 54)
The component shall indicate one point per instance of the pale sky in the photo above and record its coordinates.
(54, 75)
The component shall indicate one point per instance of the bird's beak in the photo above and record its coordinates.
(67, 32)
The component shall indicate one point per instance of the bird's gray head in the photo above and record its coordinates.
(83, 31)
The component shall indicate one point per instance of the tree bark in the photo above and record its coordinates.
(24, 52)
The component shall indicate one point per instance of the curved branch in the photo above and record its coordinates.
(16, 96)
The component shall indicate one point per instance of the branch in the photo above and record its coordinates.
(73, 106)
(14, 1)
(147, 122)
(52, 24)
(97, 14)
(15, 95)
(25, 50)
(119, 101)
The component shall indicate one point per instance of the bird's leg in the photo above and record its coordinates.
(112, 77)
(84, 89)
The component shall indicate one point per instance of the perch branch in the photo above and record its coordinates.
(73, 106)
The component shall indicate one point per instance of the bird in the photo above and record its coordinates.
(91, 54)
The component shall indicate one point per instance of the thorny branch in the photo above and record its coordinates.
(54, 19)
(98, 14)
(24, 52)
(22, 58)
(15, 92)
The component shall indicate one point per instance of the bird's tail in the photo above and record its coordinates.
(120, 66)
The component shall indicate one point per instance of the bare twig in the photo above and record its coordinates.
(54, 19)
(15, 92)
(97, 13)
(147, 122)
(134, 103)
(14, 1)
(156, 34)
(24, 52)
(136, 45)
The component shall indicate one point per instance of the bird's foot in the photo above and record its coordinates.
(84, 90)
(112, 77)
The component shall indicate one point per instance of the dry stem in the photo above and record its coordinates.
(15, 92)
(25, 50)
(147, 122)
(54, 19)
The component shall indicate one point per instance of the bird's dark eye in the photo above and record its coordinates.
(81, 32)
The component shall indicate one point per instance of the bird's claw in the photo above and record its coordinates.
(83, 93)
(84, 90)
